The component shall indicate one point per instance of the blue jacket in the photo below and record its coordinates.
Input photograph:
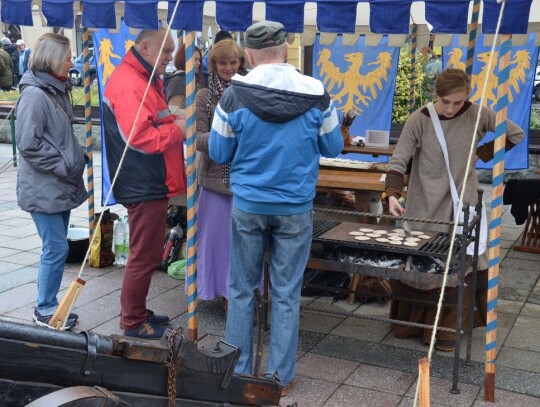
(273, 125)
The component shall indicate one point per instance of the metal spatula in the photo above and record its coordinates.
(405, 225)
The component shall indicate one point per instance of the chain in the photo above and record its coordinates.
(171, 377)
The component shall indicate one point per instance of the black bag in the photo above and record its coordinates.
(322, 283)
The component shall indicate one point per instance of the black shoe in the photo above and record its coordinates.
(157, 319)
(146, 331)
(43, 320)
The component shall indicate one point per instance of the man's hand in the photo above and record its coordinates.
(394, 207)
(181, 123)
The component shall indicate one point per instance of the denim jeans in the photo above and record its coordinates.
(52, 229)
(289, 238)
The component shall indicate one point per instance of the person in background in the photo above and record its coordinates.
(24, 57)
(11, 49)
(176, 84)
(220, 35)
(272, 125)
(215, 202)
(152, 170)
(6, 71)
(50, 179)
(429, 195)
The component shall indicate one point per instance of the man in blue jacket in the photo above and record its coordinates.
(272, 125)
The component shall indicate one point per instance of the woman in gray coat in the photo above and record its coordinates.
(50, 180)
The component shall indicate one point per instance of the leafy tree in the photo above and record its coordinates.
(423, 89)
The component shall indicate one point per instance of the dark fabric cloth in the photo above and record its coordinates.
(147, 223)
(520, 194)
(6, 71)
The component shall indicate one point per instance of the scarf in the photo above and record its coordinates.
(216, 87)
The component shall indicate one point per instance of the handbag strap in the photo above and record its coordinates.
(440, 136)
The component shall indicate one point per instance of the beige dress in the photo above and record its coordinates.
(429, 197)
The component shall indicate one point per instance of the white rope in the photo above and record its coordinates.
(462, 194)
(129, 137)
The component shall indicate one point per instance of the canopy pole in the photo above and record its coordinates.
(473, 35)
(413, 68)
(191, 278)
(88, 129)
(496, 215)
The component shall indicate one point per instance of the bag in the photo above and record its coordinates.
(101, 254)
(453, 190)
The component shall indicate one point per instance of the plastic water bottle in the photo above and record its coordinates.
(118, 237)
(126, 240)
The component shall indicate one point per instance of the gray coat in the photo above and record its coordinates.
(51, 162)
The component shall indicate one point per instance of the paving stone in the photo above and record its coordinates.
(24, 258)
(356, 396)
(518, 381)
(18, 277)
(19, 232)
(381, 379)
(509, 307)
(531, 310)
(6, 267)
(6, 252)
(311, 321)
(521, 264)
(97, 312)
(325, 368)
(409, 402)
(519, 359)
(505, 398)
(308, 392)
(525, 334)
(17, 297)
(523, 255)
(440, 393)
(520, 279)
(25, 244)
(363, 329)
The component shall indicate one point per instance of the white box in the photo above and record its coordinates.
(377, 138)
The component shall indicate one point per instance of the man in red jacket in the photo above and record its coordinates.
(151, 172)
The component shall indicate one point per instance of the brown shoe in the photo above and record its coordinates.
(445, 345)
(285, 390)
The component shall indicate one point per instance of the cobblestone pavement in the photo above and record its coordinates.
(342, 361)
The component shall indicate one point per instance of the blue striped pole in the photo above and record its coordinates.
(191, 277)
(413, 69)
(473, 34)
(496, 216)
(88, 128)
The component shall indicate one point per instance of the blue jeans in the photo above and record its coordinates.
(52, 229)
(289, 238)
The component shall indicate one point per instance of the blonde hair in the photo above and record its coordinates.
(49, 54)
(225, 49)
(450, 81)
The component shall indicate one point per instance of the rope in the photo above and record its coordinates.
(462, 193)
(412, 81)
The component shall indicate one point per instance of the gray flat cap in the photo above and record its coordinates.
(265, 34)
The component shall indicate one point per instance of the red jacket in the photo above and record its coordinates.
(153, 167)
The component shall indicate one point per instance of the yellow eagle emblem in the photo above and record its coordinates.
(355, 87)
(105, 55)
(520, 63)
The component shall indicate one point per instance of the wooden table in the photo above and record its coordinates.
(374, 151)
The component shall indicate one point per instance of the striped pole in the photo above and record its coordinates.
(496, 215)
(191, 278)
(413, 69)
(473, 34)
(88, 129)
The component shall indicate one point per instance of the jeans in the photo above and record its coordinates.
(289, 238)
(52, 229)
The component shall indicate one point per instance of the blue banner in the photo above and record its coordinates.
(109, 50)
(360, 79)
(522, 70)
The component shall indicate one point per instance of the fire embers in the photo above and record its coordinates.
(418, 264)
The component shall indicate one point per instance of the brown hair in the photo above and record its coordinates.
(225, 49)
(180, 63)
(450, 81)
